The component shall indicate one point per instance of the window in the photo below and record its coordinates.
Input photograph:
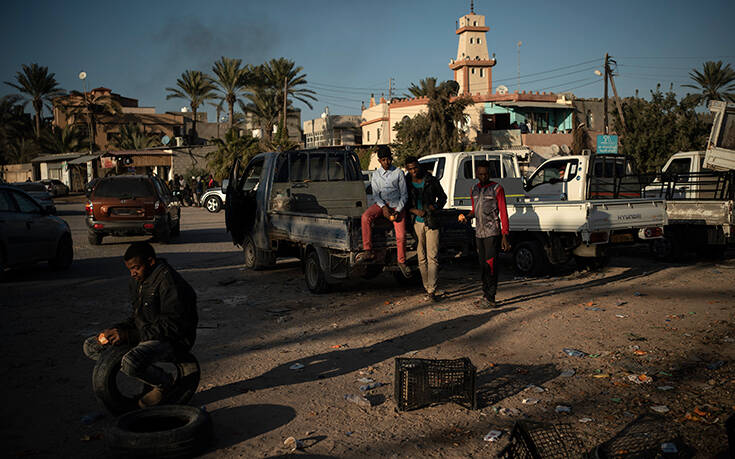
(556, 171)
(479, 41)
(118, 187)
(6, 204)
(482, 72)
(251, 176)
(336, 163)
(299, 167)
(474, 23)
(25, 204)
(378, 134)
(368, 136)
(470, 40)
(727, 137)
(281, 173)
(466, 171)
(680, 166)
(318, 167)
(473, 71)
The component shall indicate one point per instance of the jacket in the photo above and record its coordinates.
(431, 194)
(164, 308)
(488, 204)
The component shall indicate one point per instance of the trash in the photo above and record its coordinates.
(593, 356)
(640, 379)
(422, 382)
(292, 444)
(616, 400)
(620, 303)
(634, 337)
(665, 387)
(365, 380)
(715, 365)
(358, 399)
(440, 309)
(669, 448)
(601, 375)
(536, 388)
(493, 435)
(621, 316)
(701, 412)
(509, 411)
(563, 409)
(296, 366)
(593, 309)
(660, 409)
(371, 386)
(585, 420)
(97, 436)
(663, 373)
(88, 419)
(637, 294)
(530, 401)
(640, 352)
(567, 373)
(574, 352)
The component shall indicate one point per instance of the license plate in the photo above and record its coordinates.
(616, 238)
(125, 211)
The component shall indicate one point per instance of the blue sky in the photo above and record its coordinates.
(349, 49)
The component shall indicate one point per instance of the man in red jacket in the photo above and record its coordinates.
(488, 206)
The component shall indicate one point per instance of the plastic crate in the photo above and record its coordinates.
(642, 438)
(422, 382)
(537, 440)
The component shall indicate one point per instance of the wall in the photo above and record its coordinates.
(16, 172)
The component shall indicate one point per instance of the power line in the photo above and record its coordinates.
(676, 57)
(567, 83)
(549, 71)
(580, 86)
(552, 77)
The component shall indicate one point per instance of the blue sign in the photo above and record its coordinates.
(607, 145)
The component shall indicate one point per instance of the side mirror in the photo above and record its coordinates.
(225, 184)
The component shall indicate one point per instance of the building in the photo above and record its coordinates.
(332, 130)
(496, 117)
(293, 124)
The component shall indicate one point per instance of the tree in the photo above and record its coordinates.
(232, 147)
(263, 107)
(422, 89)
(274, 73)
(91, 105)
(231, 79)
(714, 81)
(133, 137)
(66, 140)
(15, 124)
(197, 88)
(38, 87)
(658, 128)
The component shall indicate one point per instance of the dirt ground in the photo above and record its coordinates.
(671, 324)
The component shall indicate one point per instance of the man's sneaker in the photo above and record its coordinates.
(404, 270)
(365, 257)
(485, 303)
(433, 297)
(152, 398)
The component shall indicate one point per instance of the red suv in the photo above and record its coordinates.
(127, 205)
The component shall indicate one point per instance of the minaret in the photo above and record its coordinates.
(473, 68)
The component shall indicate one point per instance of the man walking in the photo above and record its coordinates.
(425, 198)
(389, 189)
(488, 206)
(164, 320)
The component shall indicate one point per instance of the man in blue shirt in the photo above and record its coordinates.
(390, 193)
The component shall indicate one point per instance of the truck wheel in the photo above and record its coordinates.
(667, 248)
(529, 259)
(161, 431)
(592, 263)
(254, 258)
(213, 204)
(316, 280)
(64, 253)
(94, 238)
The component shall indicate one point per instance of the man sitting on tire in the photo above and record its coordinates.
(164, 321)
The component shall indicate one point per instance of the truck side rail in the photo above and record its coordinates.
(711, 185)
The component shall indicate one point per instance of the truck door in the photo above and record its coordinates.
(677, 174)
(241, 205)
(550, 182)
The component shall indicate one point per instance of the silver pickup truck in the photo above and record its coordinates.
(308, 204)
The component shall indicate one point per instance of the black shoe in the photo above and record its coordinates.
(486, 304)
(405, 270)
(433, 297)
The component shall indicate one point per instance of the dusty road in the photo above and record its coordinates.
(670, 322)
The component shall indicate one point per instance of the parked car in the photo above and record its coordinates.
(90, 186)
(213, 199)
(128, 205)
(56, 187)
(38, 191)
(28, 233)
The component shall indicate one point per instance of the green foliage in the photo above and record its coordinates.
(714, 81)
(275, 72)
(234, 146)
(38, 87)
(134, 137)
(197, 88)
(15, 125)
(66, 140)
(658, 128)
(92, 107)
(231, 79)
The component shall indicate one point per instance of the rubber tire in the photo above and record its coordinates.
(125, 438)
(316, 280)
(64, 254)
(592, 263)
(253, 257)
(94, 238)
(108, 366)
(529, 259)
(213, 204)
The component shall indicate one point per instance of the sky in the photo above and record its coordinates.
(349, 49)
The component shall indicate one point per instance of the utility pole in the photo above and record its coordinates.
(390, 89)
(617, 100)
(285, 103)
(607, 75)
(519, 66)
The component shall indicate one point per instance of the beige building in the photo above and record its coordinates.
(332, 130)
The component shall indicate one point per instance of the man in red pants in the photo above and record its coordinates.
(488, 206)
(390, 192)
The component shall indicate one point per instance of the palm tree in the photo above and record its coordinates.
(233, 146)
(423, 89)
(68, 139)
(133, 137)
(197, 88)
(232, 79)
(91, 105)
(714, 81)
(264, 108)
(277, 72)
(38, 87)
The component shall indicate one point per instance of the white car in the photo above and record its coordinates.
(213, 199)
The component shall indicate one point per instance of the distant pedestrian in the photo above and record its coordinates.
(211, 183)
(425, 198)
(488, 206)
(198, 190)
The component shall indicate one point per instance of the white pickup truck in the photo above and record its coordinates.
(571, 206)
(699, 188)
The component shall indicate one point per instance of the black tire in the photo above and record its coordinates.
(104, 380)
(529, 259)
(213, 204)
(94, 238)
(64, 253)
(254, 258)
(316, 280)
(592, 263)
(161, 431)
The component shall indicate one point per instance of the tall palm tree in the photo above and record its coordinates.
(133, 137)
(425, 86)
(231, 79)
(277, 72)
(38, 87)
(197, 88)
(714, 81)
(264, 108)
(66, 140)
(234, 146)
(92, 105)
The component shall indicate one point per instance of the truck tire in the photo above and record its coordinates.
(161, 431)
(592, 263)
(213, 204)
(316, 279)
(64, 254)
(254, 258)
(94, 238)
(104, 380)
(529, 259)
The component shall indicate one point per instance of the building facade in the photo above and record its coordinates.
(332, 130)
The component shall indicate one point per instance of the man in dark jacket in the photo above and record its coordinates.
(425, 198)
(164, 320)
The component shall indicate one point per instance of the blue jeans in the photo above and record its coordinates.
(139, 361)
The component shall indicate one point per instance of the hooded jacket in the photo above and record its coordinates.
(431, 194)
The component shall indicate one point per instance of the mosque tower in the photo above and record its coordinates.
(473, 68)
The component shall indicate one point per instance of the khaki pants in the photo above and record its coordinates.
(428, 255)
